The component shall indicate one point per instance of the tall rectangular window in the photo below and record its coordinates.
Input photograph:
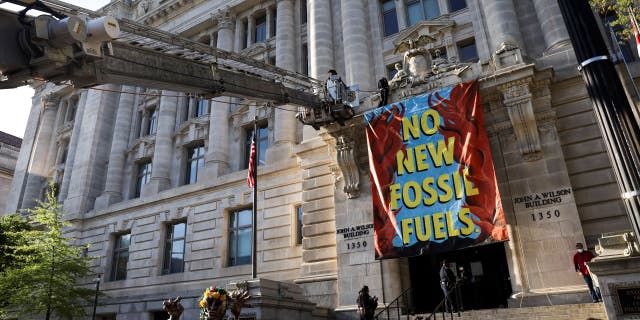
(389, 17)
(174, 248)
(143, 177)
(260, 31)
(468, 51)
(418, 10)
(201, 107)
(152, 124)
(195, 161)
(240, 241)
(299, 225)
(455, 5)
(120, 257)
(261, 144)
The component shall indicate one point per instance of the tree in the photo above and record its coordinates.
(620, 10)
(11, 226)
(47, 268)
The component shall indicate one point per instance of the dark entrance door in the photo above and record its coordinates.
(483, 272)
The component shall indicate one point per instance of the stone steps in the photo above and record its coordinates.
(582, 311)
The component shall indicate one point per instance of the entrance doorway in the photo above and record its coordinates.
(483, 271)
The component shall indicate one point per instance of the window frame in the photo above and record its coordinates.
(170, 245)
(261, 149)
(191, 157)
(152, 121)
(143, 176)
(260, 28)
(234, 233)
(423, 11)
(384, 12)
(464, 43)
(118, 249)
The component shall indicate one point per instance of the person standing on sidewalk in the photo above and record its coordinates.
(447, 281)
(579, 259)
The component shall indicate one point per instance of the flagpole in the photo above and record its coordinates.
(254, 219)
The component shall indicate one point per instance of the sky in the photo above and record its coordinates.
(15, 104)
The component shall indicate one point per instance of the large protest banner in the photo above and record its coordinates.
(433, 183)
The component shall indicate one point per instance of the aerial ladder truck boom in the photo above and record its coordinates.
(77, 45)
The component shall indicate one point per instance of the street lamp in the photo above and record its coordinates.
(95, 300)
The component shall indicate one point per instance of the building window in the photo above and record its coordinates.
(174, 248)
(303, 11)
(455, 5)
(418, 10)
(201, 108)
(120, 257)
(152, 122)
(195, 161)
(299, 225)
(305, 59)
(144, 176)
(391, 71)
(240, 241)
(468, 52)
(389, 17)
(260, 31)
(261, 144)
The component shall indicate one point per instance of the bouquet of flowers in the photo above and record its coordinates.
(213, 303)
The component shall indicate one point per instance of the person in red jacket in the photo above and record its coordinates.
(579, 259)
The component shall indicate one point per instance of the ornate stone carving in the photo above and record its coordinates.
(423, 64)
(224, 19)
(347, 161)
(517, 100)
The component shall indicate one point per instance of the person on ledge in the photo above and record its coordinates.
(579, 259)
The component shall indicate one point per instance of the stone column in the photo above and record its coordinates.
(163, 152)
(73, 143)
(37, 170)
(285, 121)
(88, 173)
(217, 158)
(443, 6)
(239, 32)
(550, 20)
(251, 24)
(320, 39)
(504, 31)
(115, 171)
(356, 35)
(269, 22)
(401, 10)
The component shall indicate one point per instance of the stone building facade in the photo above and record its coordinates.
(155, 180)
(9, 149)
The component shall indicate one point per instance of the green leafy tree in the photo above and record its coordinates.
(11, 228)
(619, 9)
(47, 267)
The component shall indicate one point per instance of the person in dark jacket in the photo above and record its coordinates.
(366, 304)
(579, 259)
(447, 282)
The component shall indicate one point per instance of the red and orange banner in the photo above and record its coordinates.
(433, 185)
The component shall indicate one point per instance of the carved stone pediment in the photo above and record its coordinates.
(142, 148)
(192, 130)
(434, 33)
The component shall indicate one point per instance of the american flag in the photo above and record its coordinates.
(252, 159)
(634, 26)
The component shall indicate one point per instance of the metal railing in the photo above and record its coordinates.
(401, 305)
(440, 306)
